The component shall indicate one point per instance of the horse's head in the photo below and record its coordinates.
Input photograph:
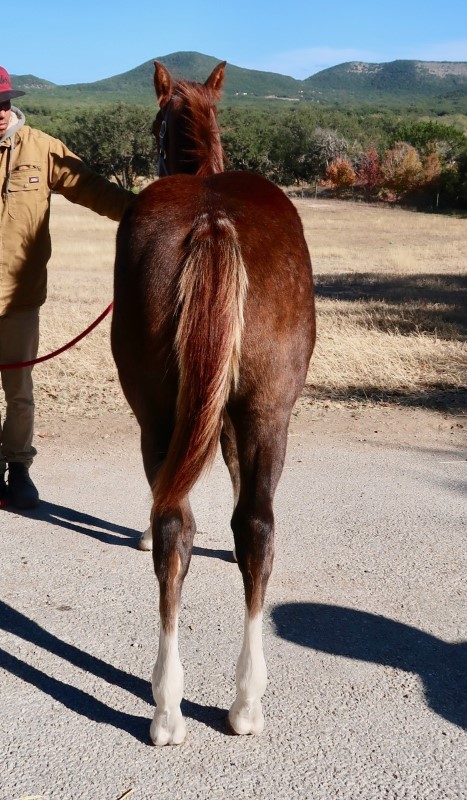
(185, 127)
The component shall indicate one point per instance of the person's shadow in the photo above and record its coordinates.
(87, 524)
(102, 530)
(350, 633)
(82, 702)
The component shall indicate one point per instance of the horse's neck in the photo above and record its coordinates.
(207, 146)
(214, 158)
(213, 164)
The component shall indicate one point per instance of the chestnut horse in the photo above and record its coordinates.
(212, 333)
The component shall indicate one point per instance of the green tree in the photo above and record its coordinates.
(115, 141)
(431, 137)
(453, 184)
(246, 139)
(300, 153)
(289, 148)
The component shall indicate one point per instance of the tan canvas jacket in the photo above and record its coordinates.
(31, 167)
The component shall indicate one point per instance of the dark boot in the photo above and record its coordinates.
(21, 491)
(3, 490)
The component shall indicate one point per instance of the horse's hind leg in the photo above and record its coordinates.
(261, 451)
(173, 534)
(230, 455)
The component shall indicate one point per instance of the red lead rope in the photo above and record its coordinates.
(61, 349)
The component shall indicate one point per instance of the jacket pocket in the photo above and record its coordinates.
(23, 191)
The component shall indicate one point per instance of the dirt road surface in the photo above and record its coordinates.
(364, 629)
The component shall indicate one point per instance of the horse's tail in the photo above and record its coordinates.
(211, 293)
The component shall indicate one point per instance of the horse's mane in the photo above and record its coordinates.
(202, 128)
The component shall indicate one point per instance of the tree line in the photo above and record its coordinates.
(375, 154)
(370, 153)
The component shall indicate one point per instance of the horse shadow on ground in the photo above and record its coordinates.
(79, 522)
(82, 702)
(207, 552)
(354, 634)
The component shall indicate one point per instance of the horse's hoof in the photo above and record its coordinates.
(244, 720)
(167, 729)
(145, 541)
(228, 727)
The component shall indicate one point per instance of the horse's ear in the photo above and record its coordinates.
(215, 81)
(163, 84)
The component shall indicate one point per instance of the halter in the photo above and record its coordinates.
(162, 169)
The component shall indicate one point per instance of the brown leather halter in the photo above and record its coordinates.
(162, 168)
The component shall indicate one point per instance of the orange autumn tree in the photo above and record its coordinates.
(402, 169)
(340, 174)
(432, 169)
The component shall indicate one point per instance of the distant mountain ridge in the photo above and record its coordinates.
(353, 82)
(418, 77)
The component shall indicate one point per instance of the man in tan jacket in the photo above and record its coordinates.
(32, 165)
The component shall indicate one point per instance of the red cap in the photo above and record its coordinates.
(6, 90)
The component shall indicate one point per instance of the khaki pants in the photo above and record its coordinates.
(19, 341)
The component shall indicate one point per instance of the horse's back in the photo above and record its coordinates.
(165, 211)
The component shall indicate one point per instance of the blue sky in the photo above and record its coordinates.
(94, 39)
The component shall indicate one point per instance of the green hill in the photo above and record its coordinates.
(433, 86)
(29, 83)
(136, 85)
(197, 67)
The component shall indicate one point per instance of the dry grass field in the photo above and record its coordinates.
(391, 305)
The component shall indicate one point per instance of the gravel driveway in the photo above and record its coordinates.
(363, 633)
